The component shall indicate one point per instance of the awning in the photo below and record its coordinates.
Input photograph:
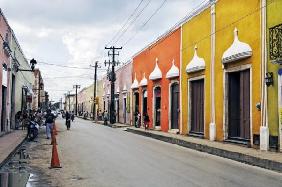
(173, 72)
(196, 64)
(157, 73)
(237, 51)
(144, 81)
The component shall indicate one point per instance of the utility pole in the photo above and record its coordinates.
(112, 78)
(69, 99)
(61, 103)
(76, 87)
(95, 89)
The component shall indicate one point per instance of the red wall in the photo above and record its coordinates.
(166, 49)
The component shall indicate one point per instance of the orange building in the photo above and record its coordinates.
(155, 87)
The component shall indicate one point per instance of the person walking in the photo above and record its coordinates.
(49, 121)
(68, 120)
(146, 121)
(72, 116)
(105, 117)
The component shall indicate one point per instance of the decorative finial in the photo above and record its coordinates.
(172, 62)
(157, 60)
(236, 33)
(144, 74)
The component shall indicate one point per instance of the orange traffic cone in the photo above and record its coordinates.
(55, 129)
(55, 162)
(53, 138)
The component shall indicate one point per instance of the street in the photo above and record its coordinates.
(96, 155)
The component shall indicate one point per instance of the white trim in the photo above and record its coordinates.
(202, 77)
(142, 104)
(169, 104)
(180, 85)
(280, 110)
(225, 98)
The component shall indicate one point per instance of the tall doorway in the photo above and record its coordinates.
(197, 106)
(136, 107)
(239, 105)
(157, 107)
(3, 113)
(124, 109)
(145, 95)
(13, 112)
(174, 106)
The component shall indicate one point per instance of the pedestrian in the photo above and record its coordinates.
(72, 116)
(100, 115)
(146, 121)
(68, 120)
(49, 121)
(105, 117)
(137, 119)
(18, 119)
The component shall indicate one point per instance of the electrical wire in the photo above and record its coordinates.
(125, 23)
(137, 16)
(145, 23)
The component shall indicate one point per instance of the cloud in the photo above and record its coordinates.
(74, 33)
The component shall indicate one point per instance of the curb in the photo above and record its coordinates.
(12, 153)
(240, 157)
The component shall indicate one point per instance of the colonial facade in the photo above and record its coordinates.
(274, 72)
(155, 83)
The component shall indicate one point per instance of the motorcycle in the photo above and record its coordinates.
(33, 129)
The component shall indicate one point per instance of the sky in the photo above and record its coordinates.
(75, 32)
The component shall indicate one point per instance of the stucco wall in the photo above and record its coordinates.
(245, 15)
(194, 33)
(166, 49)
(274, 18)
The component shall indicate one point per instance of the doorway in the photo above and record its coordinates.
(239, 105)
(174, 106)
(197, 106)
(157, 107)
(3, 112)
(136, 107)
(124, 110)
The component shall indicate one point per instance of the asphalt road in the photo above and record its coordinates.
(95, 155)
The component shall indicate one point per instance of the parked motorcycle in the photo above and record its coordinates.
(33, 129)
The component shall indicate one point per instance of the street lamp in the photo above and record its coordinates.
(32, 63)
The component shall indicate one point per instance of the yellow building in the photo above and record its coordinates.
(221, 77)
(274, 61)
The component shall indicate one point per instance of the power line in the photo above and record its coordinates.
(63, 66)
(145, 23)
(137, 16)
(125, 23)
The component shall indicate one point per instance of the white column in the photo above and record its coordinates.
(264, 131)
(212, 132)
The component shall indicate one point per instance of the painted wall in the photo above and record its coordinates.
(274, 18)
(21, 78)
(196, 32)
(166, 49)
(245, 15)
(4, 58)
(123, 75)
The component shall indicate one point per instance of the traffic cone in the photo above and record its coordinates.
(53, 138)
(55, 162)
(55, 129)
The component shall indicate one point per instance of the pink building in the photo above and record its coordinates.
(5, 74)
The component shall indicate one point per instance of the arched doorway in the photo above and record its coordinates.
(136, 107)
(144, 103)
(157, 106)
(174, 110)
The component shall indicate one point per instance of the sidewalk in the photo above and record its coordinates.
(9, 143)
(115, 125)
(267, 160)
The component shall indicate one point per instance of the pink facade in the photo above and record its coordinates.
(5, 106)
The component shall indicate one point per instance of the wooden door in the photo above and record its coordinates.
(175, 106)
(197, 106)
(239, 105)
